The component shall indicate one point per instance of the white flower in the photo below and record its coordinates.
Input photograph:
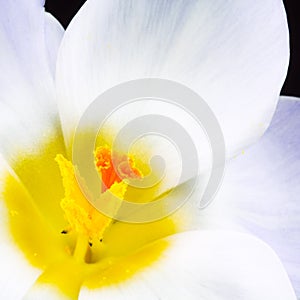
(235, 55)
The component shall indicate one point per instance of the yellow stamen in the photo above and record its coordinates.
(81, 248)
(83, 218)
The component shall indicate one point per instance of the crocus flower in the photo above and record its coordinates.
(53, 245)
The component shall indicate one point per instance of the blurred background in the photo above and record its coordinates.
(65, 10)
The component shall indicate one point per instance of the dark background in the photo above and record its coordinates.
(65, 10)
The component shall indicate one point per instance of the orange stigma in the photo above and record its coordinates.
(123, 167)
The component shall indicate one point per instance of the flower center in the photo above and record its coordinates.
(83, 218)
(44, 200)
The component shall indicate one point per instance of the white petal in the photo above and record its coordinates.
(22, 38)
(27, 88)
(206, 265)
(28, 112)
(45, 292)
(261, 188)
(53, 34)
(232, 53)
(16, 275)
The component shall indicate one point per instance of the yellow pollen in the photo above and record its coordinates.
(81, 215)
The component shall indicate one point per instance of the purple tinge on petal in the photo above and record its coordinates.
(262, 187)
(53, 36)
